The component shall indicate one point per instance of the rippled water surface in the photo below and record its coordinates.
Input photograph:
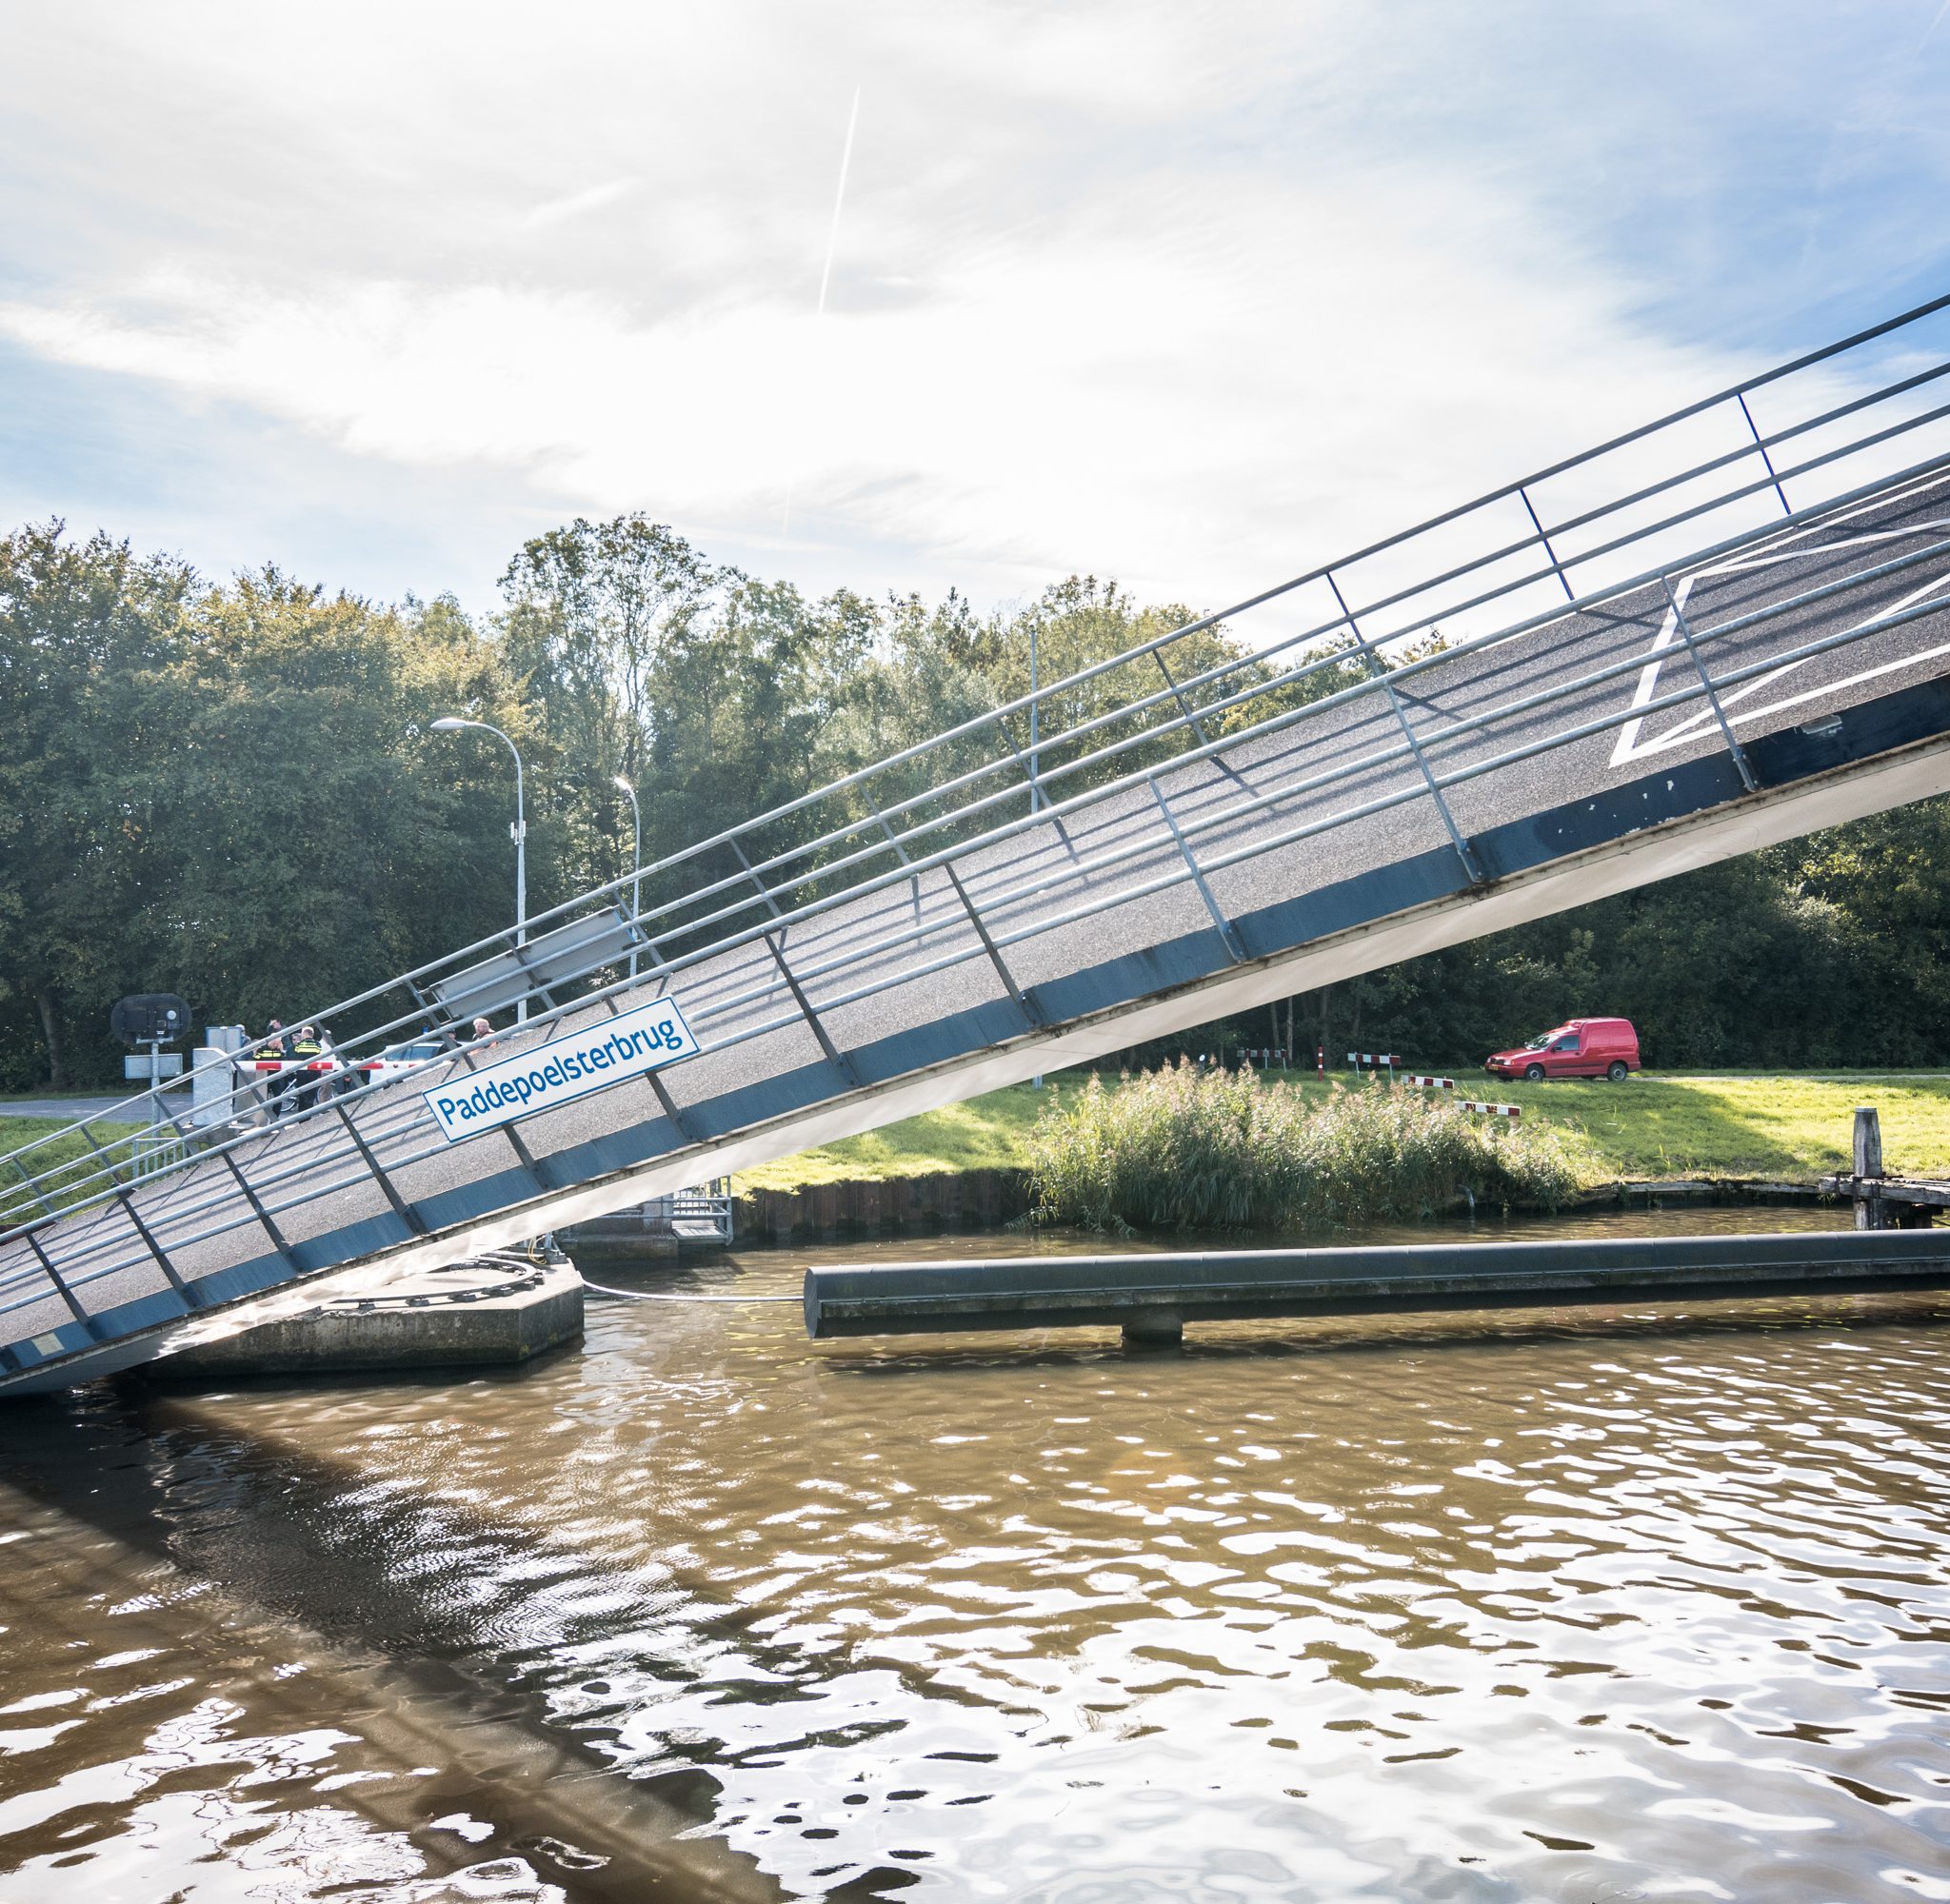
(1581, 1606)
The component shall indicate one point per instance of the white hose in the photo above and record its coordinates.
(648, 1296)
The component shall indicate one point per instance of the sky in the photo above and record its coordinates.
(1194, 296)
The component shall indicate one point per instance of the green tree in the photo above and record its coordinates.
(594, 612)
(329, 840)
(88, 635)
(224, 792)
(1078, 623)
(590, 608)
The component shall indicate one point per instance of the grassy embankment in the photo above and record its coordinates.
(70, 1159)
(1786, 1128)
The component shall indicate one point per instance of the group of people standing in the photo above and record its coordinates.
(310, 1070)
(308, 1067)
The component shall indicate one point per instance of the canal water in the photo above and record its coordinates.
(1581, 1606)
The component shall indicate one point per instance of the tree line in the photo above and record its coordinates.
(229, 790)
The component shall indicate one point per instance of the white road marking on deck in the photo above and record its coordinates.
(1629, 748)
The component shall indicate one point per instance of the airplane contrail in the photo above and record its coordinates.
(838, 199)
(825, 276)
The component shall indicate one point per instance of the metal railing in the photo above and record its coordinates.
(713, 1205)
(755, 916)
(703, 1213)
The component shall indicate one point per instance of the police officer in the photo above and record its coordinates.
(307, 1049)
(279, 1051)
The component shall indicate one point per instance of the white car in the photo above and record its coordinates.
(411, 1056)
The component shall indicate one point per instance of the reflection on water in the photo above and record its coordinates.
(1571, 1606)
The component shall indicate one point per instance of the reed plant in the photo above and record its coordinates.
(1192, 1150)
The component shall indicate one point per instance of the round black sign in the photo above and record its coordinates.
(151, 1018)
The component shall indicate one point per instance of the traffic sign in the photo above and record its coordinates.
(150, 1018)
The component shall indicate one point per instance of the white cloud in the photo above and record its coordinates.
(1191, 401)
(1162, 291)
(592, 198)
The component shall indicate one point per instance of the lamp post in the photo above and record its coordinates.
(450, 724)
(1035, 711)
(1035, 788)
(636, 866)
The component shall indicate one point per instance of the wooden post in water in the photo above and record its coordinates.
(1870, 1213)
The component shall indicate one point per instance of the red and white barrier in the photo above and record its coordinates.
(315, 1064)
(1418, 1081)
(1476, 1104)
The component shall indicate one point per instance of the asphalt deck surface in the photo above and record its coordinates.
(1051, 898)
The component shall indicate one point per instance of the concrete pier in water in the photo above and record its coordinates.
(485, 1312)
(1151, 1297)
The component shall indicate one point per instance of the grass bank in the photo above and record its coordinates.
(986, 1133)
(1777, 1126)
(70, 1159)
(1780, 1127)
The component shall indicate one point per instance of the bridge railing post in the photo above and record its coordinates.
(832, 1053)
(62, 1289)
(1543, 536)
(1034, 1017)
(246, 1190)
(1760, 442)
(894, 839)
(1030, 764)
(399, 1205)
(33, 1188)
(191, 1296)
(1379, 669)
(1686, 633)
(1184, 706)
(1227, 933)
(758, 885)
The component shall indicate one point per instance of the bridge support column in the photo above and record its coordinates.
(1154, 1329)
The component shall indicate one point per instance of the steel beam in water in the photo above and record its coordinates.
(1152, 1297)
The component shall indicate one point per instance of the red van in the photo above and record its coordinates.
(1581, 1047)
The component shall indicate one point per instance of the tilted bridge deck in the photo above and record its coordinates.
(1723, 631)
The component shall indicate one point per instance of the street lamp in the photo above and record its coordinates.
(1035, 710)
(1035, 788)
(636, 865)
(450, 725)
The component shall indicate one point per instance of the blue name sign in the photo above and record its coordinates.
(560, 1072)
